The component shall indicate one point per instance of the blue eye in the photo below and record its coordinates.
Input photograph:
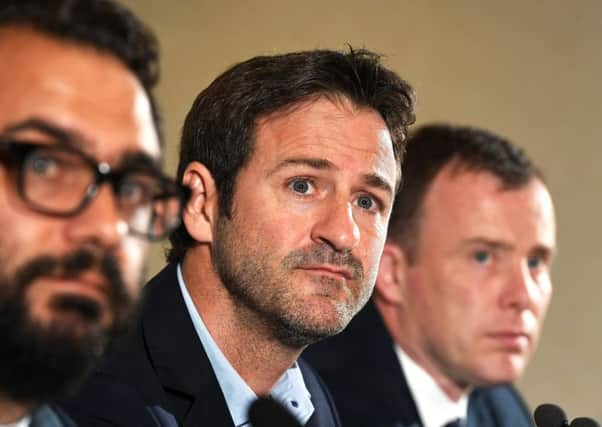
(365, 202)
(533, 262)
(481, 256)
(301, 186)
(43, 164)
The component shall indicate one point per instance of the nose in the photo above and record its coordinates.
(100, 223)
(337, 227)
(520, 289)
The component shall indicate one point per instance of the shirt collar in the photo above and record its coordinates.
(434, 406)
(290, 389)
(23, 422)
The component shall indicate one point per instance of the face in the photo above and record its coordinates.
(67, 280)
(476, 294)
(313, 204)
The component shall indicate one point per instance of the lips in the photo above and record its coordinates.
(329, 270)
(85, 282)
(512, 340)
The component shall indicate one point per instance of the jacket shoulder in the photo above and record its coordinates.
(502, 404)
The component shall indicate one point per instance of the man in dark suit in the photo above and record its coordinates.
(292, 162)
(81, 190)
(463, 287)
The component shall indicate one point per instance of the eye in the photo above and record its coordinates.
(301, 186)
(534, 262)
(55, 164)
(43, 164)
(482, 257)
(366, 202)
(137, 190)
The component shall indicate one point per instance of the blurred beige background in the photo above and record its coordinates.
(527, 69)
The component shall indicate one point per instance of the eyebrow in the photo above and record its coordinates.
(66, 136)
(140, 160)
(74, 139)
(544, 251)
(321, 164)
(371, 179)
(376, 181)
(494, 244)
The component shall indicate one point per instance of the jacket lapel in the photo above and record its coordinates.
(191, 389)
(379, 397)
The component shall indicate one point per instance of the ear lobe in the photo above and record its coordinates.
(390, 280)
(200, 212)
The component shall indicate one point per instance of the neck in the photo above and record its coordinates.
(242, 335)
(452, 389)
(12, 411)
(408, 338)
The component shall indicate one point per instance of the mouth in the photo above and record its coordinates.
(88, 283)
(82, 297)
(327, 281)
(511, 340)
(327, 270)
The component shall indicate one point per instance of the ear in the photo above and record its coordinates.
(201, 211)
(390, 280)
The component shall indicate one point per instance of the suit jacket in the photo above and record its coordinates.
(364, 375)
(49, 416)
(161, 375)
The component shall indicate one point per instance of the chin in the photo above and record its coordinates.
(506, 372)
(331, 317)
(300, 329)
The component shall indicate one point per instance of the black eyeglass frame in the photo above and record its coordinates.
(16, 151)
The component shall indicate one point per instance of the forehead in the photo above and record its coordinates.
(464, 205)
(74, 88)
(351, 139)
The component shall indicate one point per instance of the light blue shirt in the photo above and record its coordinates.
(290, 389)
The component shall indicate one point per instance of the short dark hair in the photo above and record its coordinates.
(433, 147)
(219, 129)
(102, 24)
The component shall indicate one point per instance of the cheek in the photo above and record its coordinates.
(24, 238)
(544, 296)
(132, 262)
(444, 297)
(373, 236)
(278, 227)
(371, 255)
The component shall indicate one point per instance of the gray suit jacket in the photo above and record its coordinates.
(50, 416)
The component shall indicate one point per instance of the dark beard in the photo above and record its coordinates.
(251, 283)
(46, 362)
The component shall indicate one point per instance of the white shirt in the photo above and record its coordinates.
(434, 406)
(23, 422)
(290, 389)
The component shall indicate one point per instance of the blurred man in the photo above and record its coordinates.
(462, 290)
(80, 188)
(292, 163)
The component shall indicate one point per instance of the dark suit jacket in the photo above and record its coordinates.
(161, 376)
(364, 375)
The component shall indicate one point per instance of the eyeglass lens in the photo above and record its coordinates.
(59, 181)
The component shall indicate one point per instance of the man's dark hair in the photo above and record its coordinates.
(220, 128)
(435, 146)
(101, 24)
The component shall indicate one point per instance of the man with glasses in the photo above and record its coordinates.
(81, 192)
